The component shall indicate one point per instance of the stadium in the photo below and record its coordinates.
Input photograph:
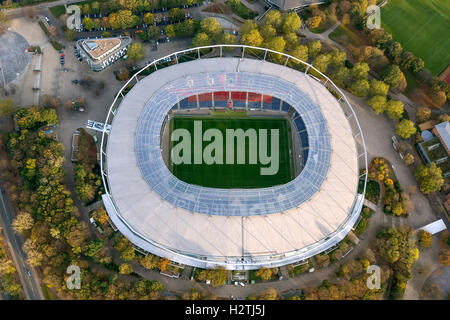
(229, 215)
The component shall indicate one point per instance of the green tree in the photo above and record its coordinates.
(135, 52)
(227, 38)
(211, 27)
(70, 35)
(291, 41)
(321, 62)
(377, 103)
(170, 31)
(291, 22)
(94, 247)
(378, 88)
(7, 107)
(88, 23)
(300, 52)
(23, 222)
(394, 109)
(247, 26)
(430, 178)
(360, 88)
(273, 18)
(405, 128)
(200, 40)
(153, 32)
(314, 48)
(276, 44)
(268, 32)
(253, 38)
(394, 77)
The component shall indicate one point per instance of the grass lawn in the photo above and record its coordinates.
(242, 11)
(347, 35)
(421, 27)
(235, 175)
(58, 11)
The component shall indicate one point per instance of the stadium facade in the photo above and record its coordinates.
(233, 228)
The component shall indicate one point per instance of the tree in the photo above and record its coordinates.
(425, 239)
(429, 177)
(217, 277)
(360, 88)
(149, 261)
(148, 18)
(405, 128)
(394, 50)
(273, 18)
(300, 52)
(227, 38)
(176, 14)
(34, 255)
(6, 267)
(170, 31)
(408, 159)
(394, 109)
(321, 62)
(378, 104)
(264, 273)
(162, 264)
(269, 294)
(125, 268)
(314, 22)
(394, 77)
(200, 40)
(253, 38)
(314, 48)
(378, 88)
(153, 32)
(423, 114)
(135, 52)
(94, 247)
(276, 44)
(248, 26)
(211, 27)
(291, 22)
(7, 107)
(291, 41)
(88, 23)
(268, 32)
(23, 222)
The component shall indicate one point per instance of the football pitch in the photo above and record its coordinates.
(422, 27)
(234, 175)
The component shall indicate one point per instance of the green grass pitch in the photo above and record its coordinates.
(422, 27)
(235, 175)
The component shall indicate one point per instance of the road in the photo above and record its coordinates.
(31, 286)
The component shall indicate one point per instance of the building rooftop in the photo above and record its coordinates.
(444, 131)
(98, 47)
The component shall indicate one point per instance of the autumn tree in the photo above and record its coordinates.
(217, 277)
(264, 273)
(268, 294)
(153, 32)
(429, 177)
(252, 38)
(23, 222)
(149, 261)
(148, 18)
(88, 23)
(248, 26)
(211, 27)
(201, 39)
(394, 77)
(408, 159)
(125, 268)
(314, 48)
(378, 104)
(425, 239)
(423, 114)
(314, 22)
(405, 128)
(3, 21)
(163, 263)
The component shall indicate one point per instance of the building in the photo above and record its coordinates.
(442, 132)
(101, 53)
(232, 228)
(436, 148)
(291, 5)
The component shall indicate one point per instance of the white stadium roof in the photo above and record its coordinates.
(254, 227)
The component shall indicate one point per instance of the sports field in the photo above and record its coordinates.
(422, 27)
(235, 175)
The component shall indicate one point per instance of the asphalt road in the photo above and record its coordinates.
(31, 285)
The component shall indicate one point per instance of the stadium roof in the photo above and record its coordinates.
(168, 217)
